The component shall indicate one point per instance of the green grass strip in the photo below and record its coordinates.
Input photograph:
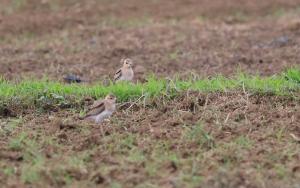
(32, 90)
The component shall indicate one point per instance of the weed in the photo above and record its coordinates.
(201, 19)
(50, 140)
(128, 141)
(174, 55)
(17, 143)
(132, 23)
(293, 75)
(239, 16)
(279, 12)
(10, 126)
(151, 168)
(191, 180)
(280, 133)
(136, 156)
(147, 185)
(198, 135)
(76, 163)
(30, 173)
(59, 174)
(54, 5)
(9, 171)
(115, 185)
(17, 4)
(280, 170)
(31, 170)
(244, 142)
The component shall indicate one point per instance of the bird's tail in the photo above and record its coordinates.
(74, 79)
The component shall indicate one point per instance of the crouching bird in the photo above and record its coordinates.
(125, 73)
(70, 78)
(101, 109)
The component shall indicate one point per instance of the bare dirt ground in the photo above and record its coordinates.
(195, 140)
(207, 140)
(89, 39)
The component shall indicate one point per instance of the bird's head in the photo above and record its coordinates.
(127, 63)
(111, 98)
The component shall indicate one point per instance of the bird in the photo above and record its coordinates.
(70, 78)
(125, 73)
(101, 109)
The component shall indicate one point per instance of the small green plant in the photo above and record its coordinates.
(243, 142)
(30, 173)
(201, 18)
(239, 16)
(280, 133)
(35, 162)
(279, 12)
(54, 5)
(18, 142)
(31, 154)
(131, 23)
(18, 4)
(9, 171)
(10, 125)
(136, 156)
(198, 135)
(293, 75)
(76, 163)
(190, 180)
(174, 55)
(115, 185)
(280, 170)
(151, 168)
(128, 141)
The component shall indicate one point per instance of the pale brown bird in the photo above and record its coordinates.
(102, 109)
(125, 73)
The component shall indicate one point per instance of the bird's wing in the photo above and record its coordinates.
(118, 75)
(96, 108)
(96, 104)
(72, 79)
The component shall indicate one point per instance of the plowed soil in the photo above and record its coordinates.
(230, 139)
(206, 140)
(162, 37)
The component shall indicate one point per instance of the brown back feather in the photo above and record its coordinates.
(118, 75)
(96, 108)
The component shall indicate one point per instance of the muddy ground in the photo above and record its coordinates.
(195, 140)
